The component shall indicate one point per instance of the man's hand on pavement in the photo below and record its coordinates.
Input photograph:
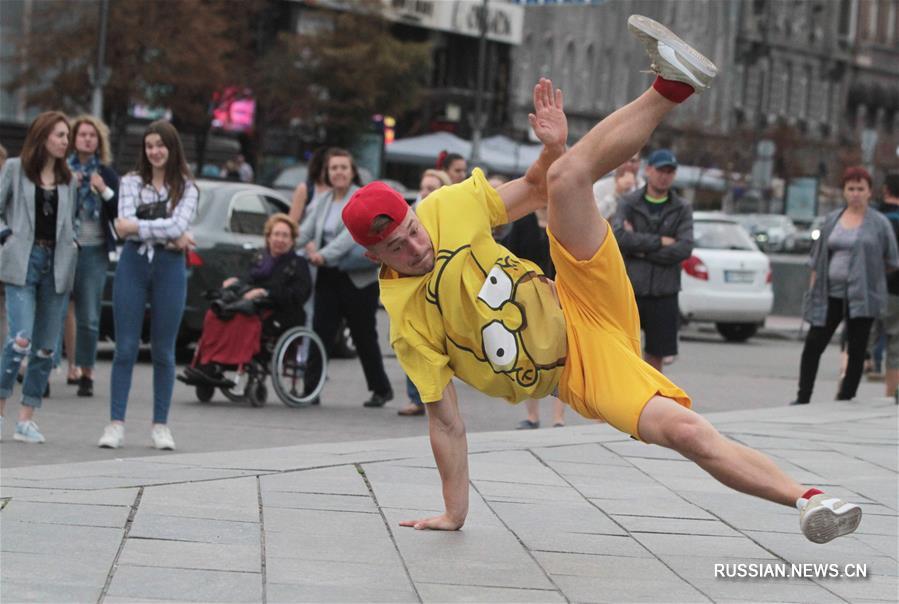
(435, 523)
(548, 120)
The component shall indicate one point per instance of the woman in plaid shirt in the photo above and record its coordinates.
(157, 204)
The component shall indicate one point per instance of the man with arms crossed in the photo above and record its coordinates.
(462, 305)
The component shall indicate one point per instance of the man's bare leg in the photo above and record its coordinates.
(666, 423)
(573, 216)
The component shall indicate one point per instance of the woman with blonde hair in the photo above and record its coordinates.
(38, 254)
(98, 183)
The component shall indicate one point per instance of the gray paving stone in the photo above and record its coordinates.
(609, 566)
(532, 518)
(37, 590)
(645, 524)
(73, 514)
(287, 593)
(648, 501)
(591, 589)
(99, 497)
(871, 588)
(58, 539)
(334, 548)
(318, 501)
(384, 574)
(437, 592)
(501, 559)
(586, 543)
(633, 448)
(323, 522)
(492, 490)
(796, 548)
(205, 530)
(662, 545)
(513, 466)
(191, 555)
(770, 590)
(702, 568)
(343, 480)
(139, 582)
(87, 571)
(588, 454)
(235, 499)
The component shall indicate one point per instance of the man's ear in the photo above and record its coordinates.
(372, 256)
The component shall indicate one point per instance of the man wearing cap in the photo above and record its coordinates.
(654, 229)
(461, 305)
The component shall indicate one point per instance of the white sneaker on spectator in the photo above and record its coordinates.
(28, 432)
(162, 437)
(113, 436)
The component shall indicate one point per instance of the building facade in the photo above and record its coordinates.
(815, 77)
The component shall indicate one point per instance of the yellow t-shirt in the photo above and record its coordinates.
(482, 314)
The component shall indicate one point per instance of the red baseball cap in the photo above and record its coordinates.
(369, 202)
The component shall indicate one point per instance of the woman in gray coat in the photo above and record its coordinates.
(38, 253)
(346, 283)
(848, 283)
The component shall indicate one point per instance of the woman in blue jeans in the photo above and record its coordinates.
(38, 253)
(157, 203)
(97, 209)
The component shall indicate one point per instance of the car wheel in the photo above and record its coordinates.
(737, 332)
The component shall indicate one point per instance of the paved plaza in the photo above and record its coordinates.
(579, 514)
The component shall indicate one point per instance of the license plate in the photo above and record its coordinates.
(739, 276)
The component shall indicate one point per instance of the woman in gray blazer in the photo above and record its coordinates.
(38, 254)
(346, 283)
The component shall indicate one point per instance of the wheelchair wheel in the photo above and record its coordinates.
(205, 392)
(257, 393)
(288, 366)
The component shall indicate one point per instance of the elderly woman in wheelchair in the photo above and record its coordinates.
(255, 327)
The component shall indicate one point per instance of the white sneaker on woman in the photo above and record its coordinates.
(113, 436)
(162, 437)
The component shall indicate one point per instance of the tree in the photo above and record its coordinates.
(336, 77)
(166, 54)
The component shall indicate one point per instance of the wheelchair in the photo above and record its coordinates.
(283, 358)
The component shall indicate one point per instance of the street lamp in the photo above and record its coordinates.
(99, 75)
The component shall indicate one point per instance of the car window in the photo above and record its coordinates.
(274, 205)
(248, 214)
(721, 235)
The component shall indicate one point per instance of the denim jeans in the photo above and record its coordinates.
(90, 278)
(33, 313)
(162, 283)
(412, 392)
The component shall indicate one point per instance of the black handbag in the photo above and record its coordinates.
(153, 211)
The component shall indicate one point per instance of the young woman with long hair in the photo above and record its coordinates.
(38, 254)
(157, 204)
(90, 160)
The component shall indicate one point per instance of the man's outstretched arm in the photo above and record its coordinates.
(450, 448)
(524, 195)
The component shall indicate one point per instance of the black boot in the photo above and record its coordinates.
(85, 386)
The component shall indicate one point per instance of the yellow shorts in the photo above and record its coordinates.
(605, 376)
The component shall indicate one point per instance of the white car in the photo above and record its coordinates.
(727, 280)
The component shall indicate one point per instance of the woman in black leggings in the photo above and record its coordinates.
(848, 282)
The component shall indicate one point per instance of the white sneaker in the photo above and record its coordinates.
(28, 432)
(113, 436)
(824, 518)
(672, 58)
(162, 437)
